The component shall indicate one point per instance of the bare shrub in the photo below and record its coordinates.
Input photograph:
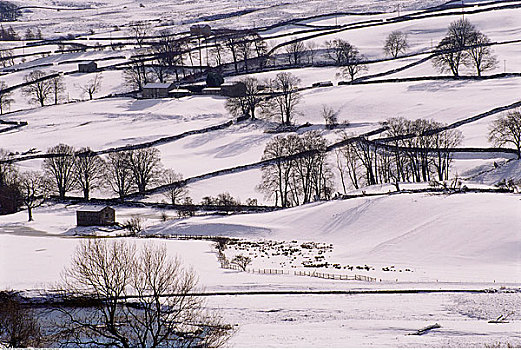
(147, 296)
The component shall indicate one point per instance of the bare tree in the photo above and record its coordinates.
(119, 176)
(5, 97)
(481, 56)
(396, 43)
(174, 193)
(6, 58)
(145, 166)
(38, 89)
(139, 31)
(147, 300)
(137, 74)
(248, 104)
(507, 130)
(59, 168)
(34, 190)
(352, 62)
(452, 51)
(89, 170)
(57, 86)
(277, 176)
(231, 43)
(92, 86)
(241, 261)
(330, 117)
(285, 97)
(311, 52)
(295, 51)
(244, 50)
(19, 326)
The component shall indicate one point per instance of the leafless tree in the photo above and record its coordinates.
(481, 56)
(442, 142)
(330, 117)
(38, 89)
(352, 61)
(119, 176)
(241, 261)
(139, 31)
(33, 188)
(348, 164)
(299, 171)
(6, 58)
(92, 86)
(452, 51)
(57, 86)
(507, 130)
(295, 51)
(231, 43)
(260, 47)
(396, 43)
(89, 170)
(277, 177)
(244, 48)
(147, 300)
(285, 97)
(19, 326)
(248, 104)
(311, 52)
(145, 166)
(137, 74)
(175, 193)
(5, 97)
(59, 168)
(313, 177)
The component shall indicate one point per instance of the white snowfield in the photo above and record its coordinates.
(405, 241)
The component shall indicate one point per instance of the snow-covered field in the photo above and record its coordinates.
(405, 241)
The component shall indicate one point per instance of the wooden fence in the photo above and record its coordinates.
(329, 276)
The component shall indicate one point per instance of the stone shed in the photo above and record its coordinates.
(90, 67)
(96, 216)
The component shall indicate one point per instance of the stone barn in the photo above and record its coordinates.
(200, 30)
(96, 216)
(237, 89)
(157, 90)
(90, 67)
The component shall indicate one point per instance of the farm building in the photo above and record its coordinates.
(96, 216)
(87, 67)
(237, 89)
(323, 84)
(156, 90)
(178, 93)
(200, 30)
(10, 199)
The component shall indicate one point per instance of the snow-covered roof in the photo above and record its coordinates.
(157, 86)
(92, 208)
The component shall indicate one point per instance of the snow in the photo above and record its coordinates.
(405, 241)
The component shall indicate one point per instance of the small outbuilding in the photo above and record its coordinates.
(157, 90)
(178, 93)
(323, 84)
(237, 89)
(200, 30)
(90, 67)
(96, 216)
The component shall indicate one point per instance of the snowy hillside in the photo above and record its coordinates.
(426, 244)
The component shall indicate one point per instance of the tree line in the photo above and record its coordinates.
(67, 169)
(410, 151)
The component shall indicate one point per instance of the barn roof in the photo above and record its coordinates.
(93, 208)
(157, 86)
